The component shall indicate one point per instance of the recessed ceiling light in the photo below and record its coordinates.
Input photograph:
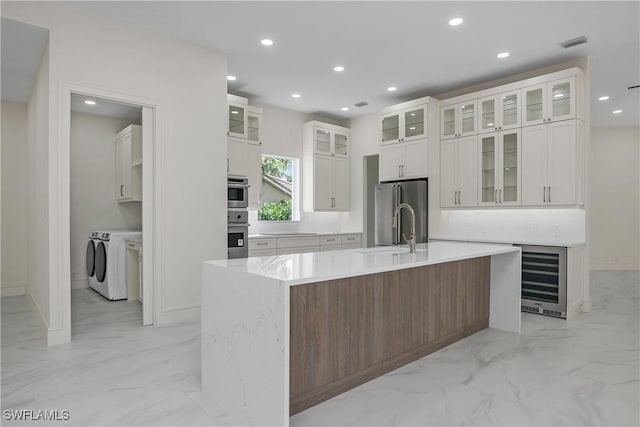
(345, 108)
(338, 68)
(90, 102)
(558, 95)
(456, 21)
(617, 111)
(502, 55)
(603, 98)
(231, 78)
(295, 95)
(391, 88)
(234, 111)
(266, 42)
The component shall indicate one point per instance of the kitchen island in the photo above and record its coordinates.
(283, 333)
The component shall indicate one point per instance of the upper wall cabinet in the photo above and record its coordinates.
(237, 117)
(458, 119)
(325, 180)
(404, 124)
(549, 102)
(129, 164)
(254, 125)
(329, 140)
(499, 112)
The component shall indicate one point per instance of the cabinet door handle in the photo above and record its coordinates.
(459, 194)
(121, 190)
(399, 174)
(549, 194)
(495, 195)
(403, 171)
(500, 195)
(544, 194)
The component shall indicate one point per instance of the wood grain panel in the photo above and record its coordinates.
(348, 331)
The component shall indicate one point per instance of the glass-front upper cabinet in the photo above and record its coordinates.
(254, 122)
(237, 121)
(499, 112)
(500, 171)
(488, 159)
(390, 128)
(341, 147)
(322, 141)
(403, 125)
(458, 120)
(548, 102)
(331, 142)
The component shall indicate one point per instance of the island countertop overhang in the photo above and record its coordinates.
(297, 269)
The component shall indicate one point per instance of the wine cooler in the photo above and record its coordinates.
(544, 280)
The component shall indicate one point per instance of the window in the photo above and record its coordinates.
(279, 189)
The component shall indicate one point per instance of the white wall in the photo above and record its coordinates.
(282, 136)
(93, 177)
(38, 131)
(188, 84)
(14, 198)
(615, 198)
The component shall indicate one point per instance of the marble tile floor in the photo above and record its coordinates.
(114, 372)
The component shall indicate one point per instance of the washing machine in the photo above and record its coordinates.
(106, 262)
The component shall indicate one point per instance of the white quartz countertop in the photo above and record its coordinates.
(563, 244)
(296, 269)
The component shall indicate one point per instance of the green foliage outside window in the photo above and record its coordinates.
(275, 211)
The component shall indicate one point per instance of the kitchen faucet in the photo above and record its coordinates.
(412, 237)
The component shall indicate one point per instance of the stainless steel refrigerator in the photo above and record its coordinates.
(387, 197)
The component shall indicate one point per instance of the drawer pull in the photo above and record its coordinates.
(331, 240)
(262, 244)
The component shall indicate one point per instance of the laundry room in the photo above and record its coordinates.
(105, 208)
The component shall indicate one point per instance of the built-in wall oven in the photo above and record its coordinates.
(237, 191)
(544, 280)
(237, 234)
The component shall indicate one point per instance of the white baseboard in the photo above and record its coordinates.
(58, 336)
(11, 291)
(80, 283)
(606, 266)
(187, 314)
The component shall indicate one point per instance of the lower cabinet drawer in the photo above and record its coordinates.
(298, 242)
(349, 239)
(285, 251)
(261, 244)
(263, 252)
(330, 240)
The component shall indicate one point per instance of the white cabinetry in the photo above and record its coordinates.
(325, 167)
(291, 244)
(405, 160)
(553, 101)
(129, 164)
(458, 165)
(244, 145)
(553, 164)
(499, 182)
(403, 124)
(499, 112)
(458, 119)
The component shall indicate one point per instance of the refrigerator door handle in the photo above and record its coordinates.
(398, 231)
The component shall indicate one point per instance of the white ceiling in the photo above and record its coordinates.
(405, 44)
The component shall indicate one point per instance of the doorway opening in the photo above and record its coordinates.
(109, 145)
(370, 179)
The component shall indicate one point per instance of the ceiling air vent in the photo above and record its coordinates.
(361, 104)
(574, 42)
